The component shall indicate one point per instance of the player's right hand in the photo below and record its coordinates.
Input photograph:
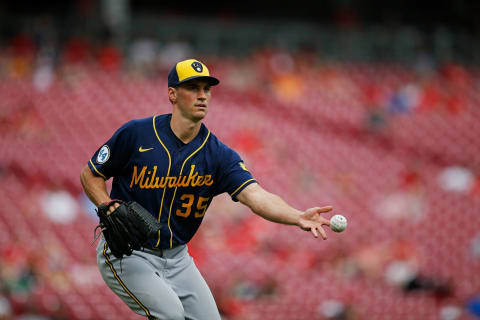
(312, 220)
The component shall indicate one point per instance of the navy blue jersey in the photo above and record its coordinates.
(174, 181)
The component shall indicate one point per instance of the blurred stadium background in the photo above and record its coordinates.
(370, 106)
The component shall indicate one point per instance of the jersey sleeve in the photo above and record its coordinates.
(234, 176)
(111, 158)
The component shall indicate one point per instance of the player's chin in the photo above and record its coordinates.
(200, 113)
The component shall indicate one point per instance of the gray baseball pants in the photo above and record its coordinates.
(159, 285)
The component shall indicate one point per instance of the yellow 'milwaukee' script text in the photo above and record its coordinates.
(147, 179)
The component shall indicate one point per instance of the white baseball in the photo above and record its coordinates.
(338, 223)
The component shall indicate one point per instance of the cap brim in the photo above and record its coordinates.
(212, 80)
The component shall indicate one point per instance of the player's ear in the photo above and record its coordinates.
(172, 95)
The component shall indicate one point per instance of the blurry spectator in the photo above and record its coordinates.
(399, 273)
(287, 83)
(77, 50)
(475, 247)
(366, 261)
(402, 205)
(455, 104)
(456, 75)
(239, 290)
(44, 73)
(22, 49)
(473, 306)
(336, 310)
(175, 49)
(405, 99)
(403, 270)
(332, 309)
(431, 97)
(456, 179)
(288, 87)
(475, 192)
(242, 75)
(5, 308)
(109, 56)
(245, 289)
(18, 277)
(407, 202)
(59, 206)
(374, 97)
(143, 55)
(450, 312)
(399, 264)
(407, 277)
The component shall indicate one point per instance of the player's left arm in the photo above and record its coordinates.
(274, 208)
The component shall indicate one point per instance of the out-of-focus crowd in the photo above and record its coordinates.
(257, 270)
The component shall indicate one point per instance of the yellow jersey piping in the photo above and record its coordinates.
(174, 192)
(168, 173)
(97, 170)
(233, 193)
(107, 260)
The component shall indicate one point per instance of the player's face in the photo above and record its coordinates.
(192, 99)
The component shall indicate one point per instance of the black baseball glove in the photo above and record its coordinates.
(127, 228)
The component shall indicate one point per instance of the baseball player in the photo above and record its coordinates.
(173, 166)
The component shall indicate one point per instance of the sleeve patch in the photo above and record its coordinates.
(103, 154)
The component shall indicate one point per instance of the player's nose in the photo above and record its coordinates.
(202, 95)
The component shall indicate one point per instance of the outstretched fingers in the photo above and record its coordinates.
(324, 209)
(323, 233)
(312, 220)
(324, 221)
(320, 218)
(316, 229)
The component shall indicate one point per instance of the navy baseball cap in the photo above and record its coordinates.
(187, 70)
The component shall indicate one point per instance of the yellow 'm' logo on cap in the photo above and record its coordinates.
(191, 68)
